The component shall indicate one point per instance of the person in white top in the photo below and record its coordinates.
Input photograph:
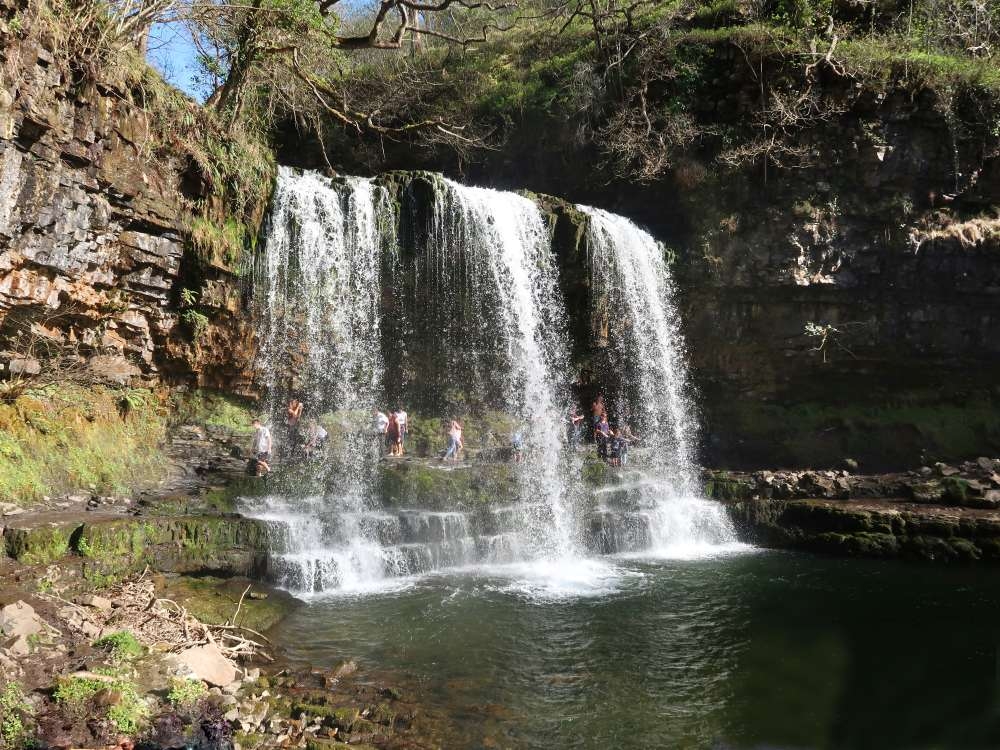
(261, 447)
(401, 420)
(380, 421)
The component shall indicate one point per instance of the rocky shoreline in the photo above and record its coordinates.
(130, 666)
(942, 513)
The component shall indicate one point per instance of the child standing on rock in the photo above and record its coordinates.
(261, 449)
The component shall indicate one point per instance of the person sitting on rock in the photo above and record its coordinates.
(261, 448)
(316, 437)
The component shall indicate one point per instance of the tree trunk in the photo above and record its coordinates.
(229, 96)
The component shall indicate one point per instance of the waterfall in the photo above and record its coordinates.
(631, 280)
(505, 247)
(320, 288)
(446, 297)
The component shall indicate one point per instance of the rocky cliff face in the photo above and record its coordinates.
(843, 309)
(844, 306)
(94, 221)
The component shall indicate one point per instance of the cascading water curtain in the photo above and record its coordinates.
(320, 277)
(319, 290)
(497, 248)
(631, 277)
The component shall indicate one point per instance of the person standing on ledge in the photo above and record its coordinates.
(455, 444)
(602, 435)
(401, 418)
(573, 427)
(293, 413)
(392, 436)
(261, 448)
(517, 445)
(381, 423)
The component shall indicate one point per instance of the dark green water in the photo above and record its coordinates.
(760, 650)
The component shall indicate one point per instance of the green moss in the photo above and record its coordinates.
(222, 245)
(15, 713)
(37, 546)
(185, 693)
(122, 645)
(76, 691)
(723, 487)
(595, 471)
(878, 59)
(214, 600)
(204, 407)
(62, 438)
(892, 429)
(427, 485)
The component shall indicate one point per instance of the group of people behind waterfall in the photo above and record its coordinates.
(309, 440)
(391, 429)
(612, 442)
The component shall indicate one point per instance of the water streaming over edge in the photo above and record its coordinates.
(630, 274)
(328, 245)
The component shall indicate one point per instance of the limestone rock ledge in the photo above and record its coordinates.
(112, 547)
(93, 229)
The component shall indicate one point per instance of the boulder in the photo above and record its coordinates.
(112, 369)
(9, 668)
(945, 470)
(97, 602)
(927, 492)
(208, 663)
(989, 465)
(19, 619)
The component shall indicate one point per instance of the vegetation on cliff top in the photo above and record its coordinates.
(633, 76)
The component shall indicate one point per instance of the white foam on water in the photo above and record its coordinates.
(555, 578)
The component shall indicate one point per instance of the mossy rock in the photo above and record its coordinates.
(859, 545)
(723, 487)
(214, 600)
(365, 728)
(39, 545)
(443, 487)
(117, 546)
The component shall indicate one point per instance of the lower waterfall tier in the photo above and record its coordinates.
(434, 518)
